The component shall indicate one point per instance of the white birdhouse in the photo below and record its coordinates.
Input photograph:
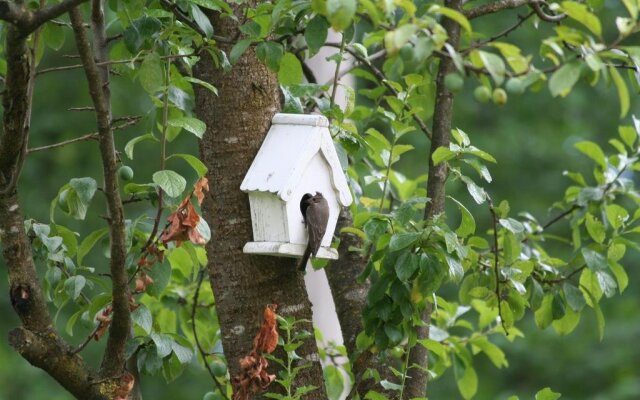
(296, 157)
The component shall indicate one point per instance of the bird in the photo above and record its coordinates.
(315, 212)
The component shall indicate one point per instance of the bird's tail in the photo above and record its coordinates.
(305, 257)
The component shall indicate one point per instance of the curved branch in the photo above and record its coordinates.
(28, 21)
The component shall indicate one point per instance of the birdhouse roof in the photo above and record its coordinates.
(292, 141)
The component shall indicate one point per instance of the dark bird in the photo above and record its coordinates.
(315, 211)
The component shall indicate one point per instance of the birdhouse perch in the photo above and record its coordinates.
(296, 157)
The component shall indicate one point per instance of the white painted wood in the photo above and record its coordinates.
(268, 217)
(297, 157)
(300, 119)
(286, 152)
(286, 250)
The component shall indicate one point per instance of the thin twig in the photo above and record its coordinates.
(203, 353)
(113, 62)
(561, 278)
(560, 216)
(496, 266)
(88, 136)
(86, 341)
(506, 32)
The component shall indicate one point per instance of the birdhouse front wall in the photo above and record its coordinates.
(268, 217)
(316, 178)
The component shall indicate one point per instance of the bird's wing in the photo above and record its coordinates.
(317, 219)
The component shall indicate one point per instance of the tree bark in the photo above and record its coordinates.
(238, 119)
(443, 113)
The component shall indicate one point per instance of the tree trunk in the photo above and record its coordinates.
(443, 113)
(238, 119)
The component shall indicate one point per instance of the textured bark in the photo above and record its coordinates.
(113, 362)
(443, 113)
(237, 122)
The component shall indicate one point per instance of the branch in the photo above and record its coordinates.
(28, 21)
(494, 7)
(543, 15)
(50, 353)
(88, 136)
(113, 62)
(494, 218)
(203, 353)
(506, 32)
(437, 177)
(114, 358)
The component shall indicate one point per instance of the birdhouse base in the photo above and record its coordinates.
(283, 249)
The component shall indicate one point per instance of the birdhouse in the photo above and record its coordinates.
(296, 157)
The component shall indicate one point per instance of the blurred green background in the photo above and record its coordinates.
(532, 138)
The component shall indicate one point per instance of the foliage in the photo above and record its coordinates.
(479, 280)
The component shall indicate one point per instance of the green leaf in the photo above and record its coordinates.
(563, 79)
(623, 91)
(74, 285)
(456, 270)
(163, 343)
(543, 314)
(593, 151)
(340, 13)
(467, 222)
(616, 215)
(189, 124)
(161, 274)
(567, 323)
(607, 283)
(573, 295)
(595, 228)
(171, 182)
(512, 225)
(128, 148)
(53, 35)
(468, 383)
(401, 240)
(598, 312)
(495, 354)
(442, 154)
(406, 265)
(201, 20)
(547, 394)
(580, 13)
(183, 351)
(494, 65)
(290, 72)
(150, 73)
(72, 321)
(88, 243)
(202, 83)
(238, 50)
(620, 274)
(478, 193)
(452, 14)
(271, 54)
(316, 33)
(85, 188)
(194, 162)
(335, 382)
(595, 260)
(142, 317)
